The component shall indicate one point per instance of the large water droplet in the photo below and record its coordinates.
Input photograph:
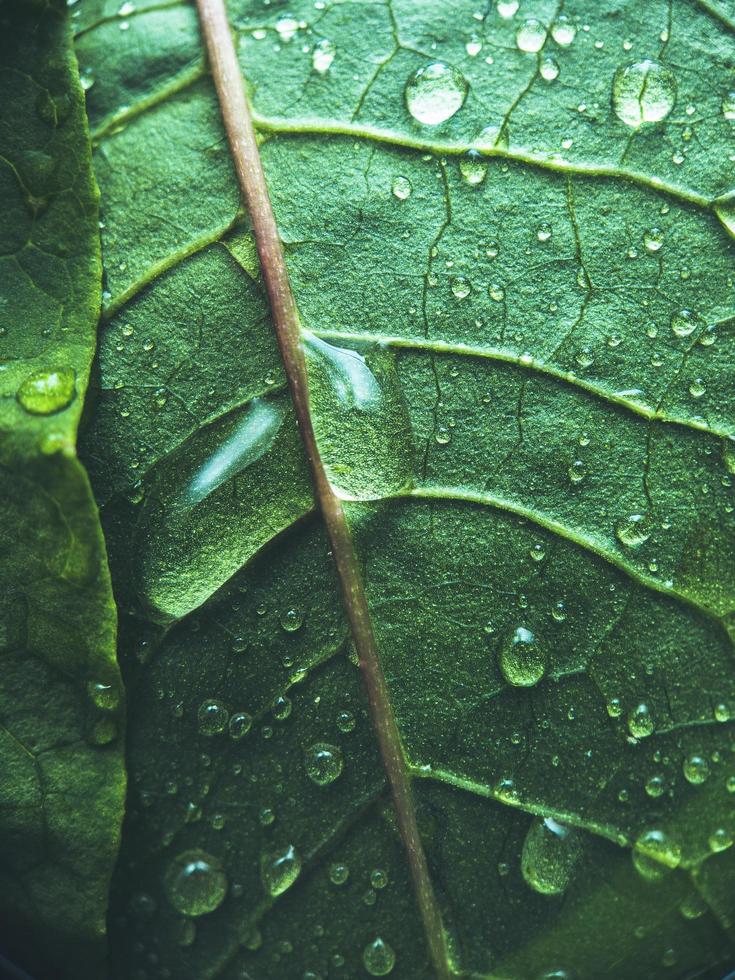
(522, 658)
(324, 763)
(212, 718)
(655, 854)
(46, 392)
(696, 769)
(401, 188)
(322, 55)
(564, 31)
(530, 36)
(550, 853)
(435, 92)
(195, 883)
(378, 958)
(684, 322)
(633, 531)
(279, 870)
(640, 721)
(643, 92)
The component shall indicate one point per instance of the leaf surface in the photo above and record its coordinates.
(518, 325)
(63, 780)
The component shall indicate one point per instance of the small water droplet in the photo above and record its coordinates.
(655, 786)
(435, 93)
(640, 721)
(212, 718)
(719, 840)
(633, 531)
(559, 612)
(378, 958)
(522, 658)
(346, 722)
(279, 870)
(507, 8)
(338, 873)
(549, 856)
(544, 231)
(577, 471)
(46, 392)
(655, 854)
(240, 724)
(728, 106)
(473, 47)
(549, 69)
(324, 763)
(496, 292)
(461, 287)
(473, 168)
(286, 27)
(684, 322)
(292, 620)
(697, 388)
(323, 55)
(195, 883)
(563, 31)
(401, 188)
(530, 36)
(696, 769)
(643, 92)
(281, 707)
(105, 697)
(653, 239)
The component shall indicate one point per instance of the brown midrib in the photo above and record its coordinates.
(241, 135)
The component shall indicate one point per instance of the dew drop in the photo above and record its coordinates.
(549, 69)
(655, 786)
(653, 239)
(693, 906)
(643, 92)
(697, 388)
(544, 231)
(496, 292)
(522, 658)
(559, 612)
(240, 724)
(507, 8)
(286, 28)
(719, 840)
(195, 883)
(292, 620)
(346, 722)
(338, 873)
(323, 55)
(684, 323)
(435, 93)
(281, 707)
(473, 168)
(550, 853)
(401, 188)
(563, 31)
(212, 718)
(279, 870)
(378, 958)
(640, 721)
(473, 47)
(654, 854)
(105, 697)
(633, 531)
(324, 763)
(378, 878)
(46, 392)
(696, 769)
(728, 106)
(461, 287)
(577, 471)
(530, 36)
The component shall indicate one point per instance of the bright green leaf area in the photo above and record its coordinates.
(518, 324)
(62, 779)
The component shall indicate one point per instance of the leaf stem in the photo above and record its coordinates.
(241, 135)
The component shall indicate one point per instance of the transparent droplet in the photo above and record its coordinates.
(640, 721)
(655, 854)
(719, 840)
(693, 906)
(549, 856)
(530, 36)
(435, 93)
(324, 763)
(46, 392)
(614, 707)
(728, 106)
(537, 552)
(544, 231)
(338, 873)
(655, 786)
(105, 697)
(643, 92)
(240, 724)
(522, 658)
(563, 31)
(633, 531)
(697, 388)
(87, 78)
(286, 27)
(577, 471)
(721, 712)
(378, 958)
(559, 612)
(496, 292)
(507, 8)
(322, 55)
(195, 883)
(696, 769)
(212, 718)
(401, 188)
(584, 358)
(281, 707)
(378, 878)
(473, 167)
(461, 287)
(653, 239)
(549, 69)
(473, 47)
(279, 870)
(346, 722)
(684, 322)
(292, 620)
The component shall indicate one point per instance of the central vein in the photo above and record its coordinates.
(241, 135)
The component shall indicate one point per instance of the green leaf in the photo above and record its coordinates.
(518, 328)
(61, 760)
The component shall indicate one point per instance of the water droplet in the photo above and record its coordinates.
(473, 47)
(401, 188)
(633, 531)
(653, 239)
(279, 870)
(643, 92)
(87, 79)
(584, 358)
(549, 69)
(530, 36)
(473, 168)
(640, 721)
(212, 718)
(522, 658)
(721, 712)
(346, 722)
(292, 620)
(46, 392)
(654, 854)
(544, 231)
(286, 28)
(577, 471)
(378, 958)
(435, 93)
(281, 707)
(378, 878)
(684, 322)
(697, 388)
(105, 697)
(507, 8)
(655, 786)
(537, 552)
(728, 106)
(563, 31)
(195, 883)
(719, 840)
(461, 287)
(496, 292)
(240, 724)
(550, 853)
(696, 769)
(322, 55)
(559, 612)
(324, 763)
(614, 707)
(693, 906)
(338, 873)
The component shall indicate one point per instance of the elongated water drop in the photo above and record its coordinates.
(195, 883)
(643, 92)
(46, 392)
(550, 854)
(522, 658)
(640, 721)
(435, 93)
(280, 869)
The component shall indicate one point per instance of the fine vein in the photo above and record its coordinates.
(241, 135)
